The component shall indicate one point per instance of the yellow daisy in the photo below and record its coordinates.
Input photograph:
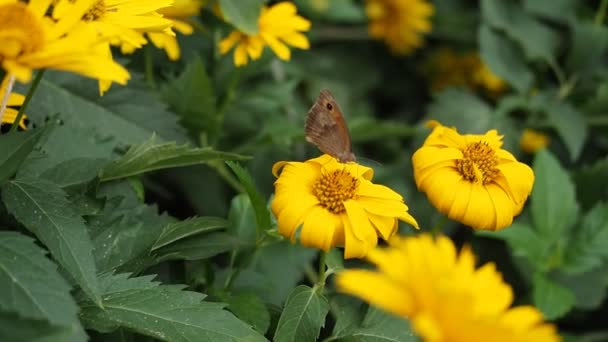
(29, 40)
(400, 23)
(326, 203)
(178, 13)
(278, 27)
(13, 100)
(443, 295)
(470, 178)
(532, 141)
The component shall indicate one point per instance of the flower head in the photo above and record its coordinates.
(532, 141)
(13, 100)
(470, 178)
(400, 23)
(335, 204)
(278, 27)
(178, 13)
(442, 293)
(29, 40)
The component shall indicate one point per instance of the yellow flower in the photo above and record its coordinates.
(178, 13)
(14, 100)
(532, 141)
(470, 178)
(400, 23)
(336, 205)
(442, 294)
(29, 40)
(448, 68)
(278, 27)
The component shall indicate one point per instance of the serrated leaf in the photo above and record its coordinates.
(192, 97)
(15, 147)
(249, 308)
(462, 109)
(192, 226)
(537, 39)
(262, 215)
(586, 248)
(303, 315)
(15, 328)
(243, 14)
(551, 298)
(504, 58)
(198, 247)
(553, 202)
(568, 121)
(31, 285)
(165, 312)
(349, 314)
(589, 43)
(42, 207)
(242, 218)
(150, 156)
(74, 172)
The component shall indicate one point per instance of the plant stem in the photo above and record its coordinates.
(601, 13)
(223, 171)
(322, 270)
(149, 65)
(7, 93)
(28, 97)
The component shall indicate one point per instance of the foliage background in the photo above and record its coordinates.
(121, 217)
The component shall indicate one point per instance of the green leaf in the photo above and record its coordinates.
(349, 313)
(243, 14)
(537, 39)
(150, 156)
(262, 215)
(589, 43)
(553, 201)
(15, 328)
(74, 172)
(371, 130)
(42, 207)
(242, 218)
(560, 10)
(570, 125)
(164, 312)
(249, 308)
(303, 315)
(334, 261)
(186, 228)
(589, 288)
(15, 147)
(381, 326)
(586, 248)
(202, 246)
(192, 97)
(462, 109)
(505, 59)
(31, 285)
(587, 180)
(551, 298)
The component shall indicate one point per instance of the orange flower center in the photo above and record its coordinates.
(332, 189)
(478, 164)
(96, 12)
(20, 31)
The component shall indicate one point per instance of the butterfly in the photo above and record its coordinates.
(325, 128)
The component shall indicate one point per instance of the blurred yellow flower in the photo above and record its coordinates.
(470, 178)
(443, 295)
(532, 141)
(326, 203)
(29, 41)
(278, 27)
(178, 13)
(447, 68)
(400, 23)
(13, 100)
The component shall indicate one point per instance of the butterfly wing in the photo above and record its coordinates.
(325, 127)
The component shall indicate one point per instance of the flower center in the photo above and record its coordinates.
(96, 12)
(20, 31)
(478, 164)
(332, 189)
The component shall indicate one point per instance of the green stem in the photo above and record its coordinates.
(322, 270)
(28, 97)
(601, 13)
(149, 65)
(223, 171)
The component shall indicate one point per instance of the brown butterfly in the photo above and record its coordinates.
(325, 127)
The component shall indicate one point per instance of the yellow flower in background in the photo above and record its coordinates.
(447, 68)
(443, 295)
(532, 141)
(178, 13)
(326, 203)
(29, 41)
(400, 23)
(279, 26)
(470, 178)
(14, 100)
